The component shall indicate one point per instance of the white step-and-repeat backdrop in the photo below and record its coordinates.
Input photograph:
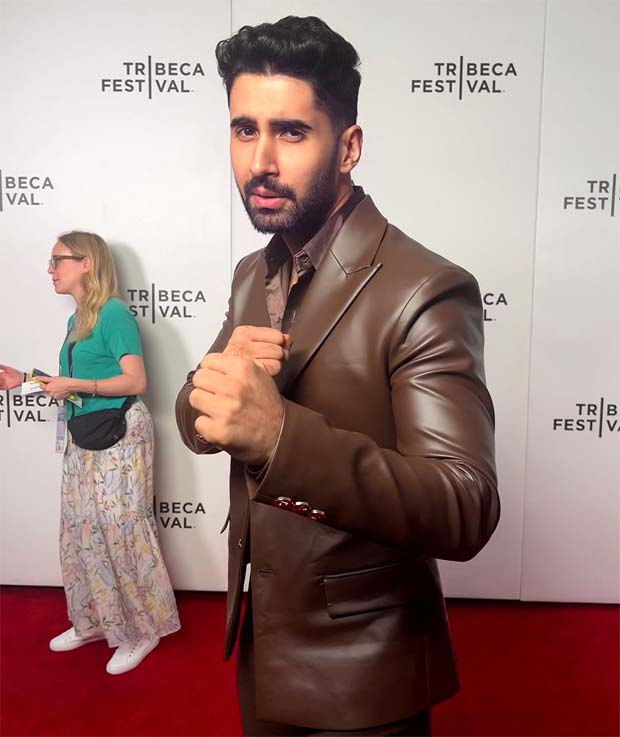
(491, 135)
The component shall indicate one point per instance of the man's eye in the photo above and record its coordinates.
(293, 134)
(245, 132)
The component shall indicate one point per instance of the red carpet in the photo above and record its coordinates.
(526, 669)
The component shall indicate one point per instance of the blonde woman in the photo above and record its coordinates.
(115, 579)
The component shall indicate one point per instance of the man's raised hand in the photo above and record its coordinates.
(240, 407)
(267, 347)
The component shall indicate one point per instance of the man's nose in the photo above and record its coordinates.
(264, 158)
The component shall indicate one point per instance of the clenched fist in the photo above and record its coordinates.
(240, 407)
(267, 347)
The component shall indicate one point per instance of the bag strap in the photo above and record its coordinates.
(70, 356)
(127, 403)
(70, 362)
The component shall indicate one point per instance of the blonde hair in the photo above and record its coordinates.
(100, 283)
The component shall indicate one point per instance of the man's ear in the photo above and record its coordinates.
(351, 142)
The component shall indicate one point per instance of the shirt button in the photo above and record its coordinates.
(240, 543)
(282, 502)
(316, 514)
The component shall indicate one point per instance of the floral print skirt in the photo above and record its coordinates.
(114, 575)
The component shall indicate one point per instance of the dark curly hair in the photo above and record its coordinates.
(305, 48)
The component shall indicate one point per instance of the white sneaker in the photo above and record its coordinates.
(130, 654)
(70, 640)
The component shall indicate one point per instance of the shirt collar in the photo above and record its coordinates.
(312, 253)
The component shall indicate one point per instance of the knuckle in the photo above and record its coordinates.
(235, 405)
(240, 334)
(223, 432)
(194, 397)
(273, 367)
(245, 368)
(200, 377)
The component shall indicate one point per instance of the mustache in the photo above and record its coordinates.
(265, 181)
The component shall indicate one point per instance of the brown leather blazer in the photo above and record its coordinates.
(388, 431)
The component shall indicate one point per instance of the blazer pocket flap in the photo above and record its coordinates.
(374, 589)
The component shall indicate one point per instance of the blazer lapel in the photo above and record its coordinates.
(344, 272)
(250, 295)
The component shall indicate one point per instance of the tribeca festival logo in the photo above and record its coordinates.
(491, 303)
(598, 194)
(153, 77)
(16, 409)
(158, 303)
(466, 78)
(23, 190)
(599, 418)
(178, 514)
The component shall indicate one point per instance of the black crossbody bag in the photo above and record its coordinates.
(101, 429)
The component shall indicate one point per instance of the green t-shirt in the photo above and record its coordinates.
(115, 335)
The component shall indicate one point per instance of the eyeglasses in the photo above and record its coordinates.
(53, 262)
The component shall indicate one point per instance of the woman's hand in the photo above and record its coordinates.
(10, 377)
(58, 387)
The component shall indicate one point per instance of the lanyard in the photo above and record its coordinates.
(70, 357)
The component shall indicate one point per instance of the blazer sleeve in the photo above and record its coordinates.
(435, 494)
(186, 415)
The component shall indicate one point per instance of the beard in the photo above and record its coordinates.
(305, 214)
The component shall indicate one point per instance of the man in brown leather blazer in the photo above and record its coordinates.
(347, 385)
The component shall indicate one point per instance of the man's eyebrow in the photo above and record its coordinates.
(278, 123)
(242, 120)
(287, 123)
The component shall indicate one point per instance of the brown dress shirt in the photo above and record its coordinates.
(288, 278)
